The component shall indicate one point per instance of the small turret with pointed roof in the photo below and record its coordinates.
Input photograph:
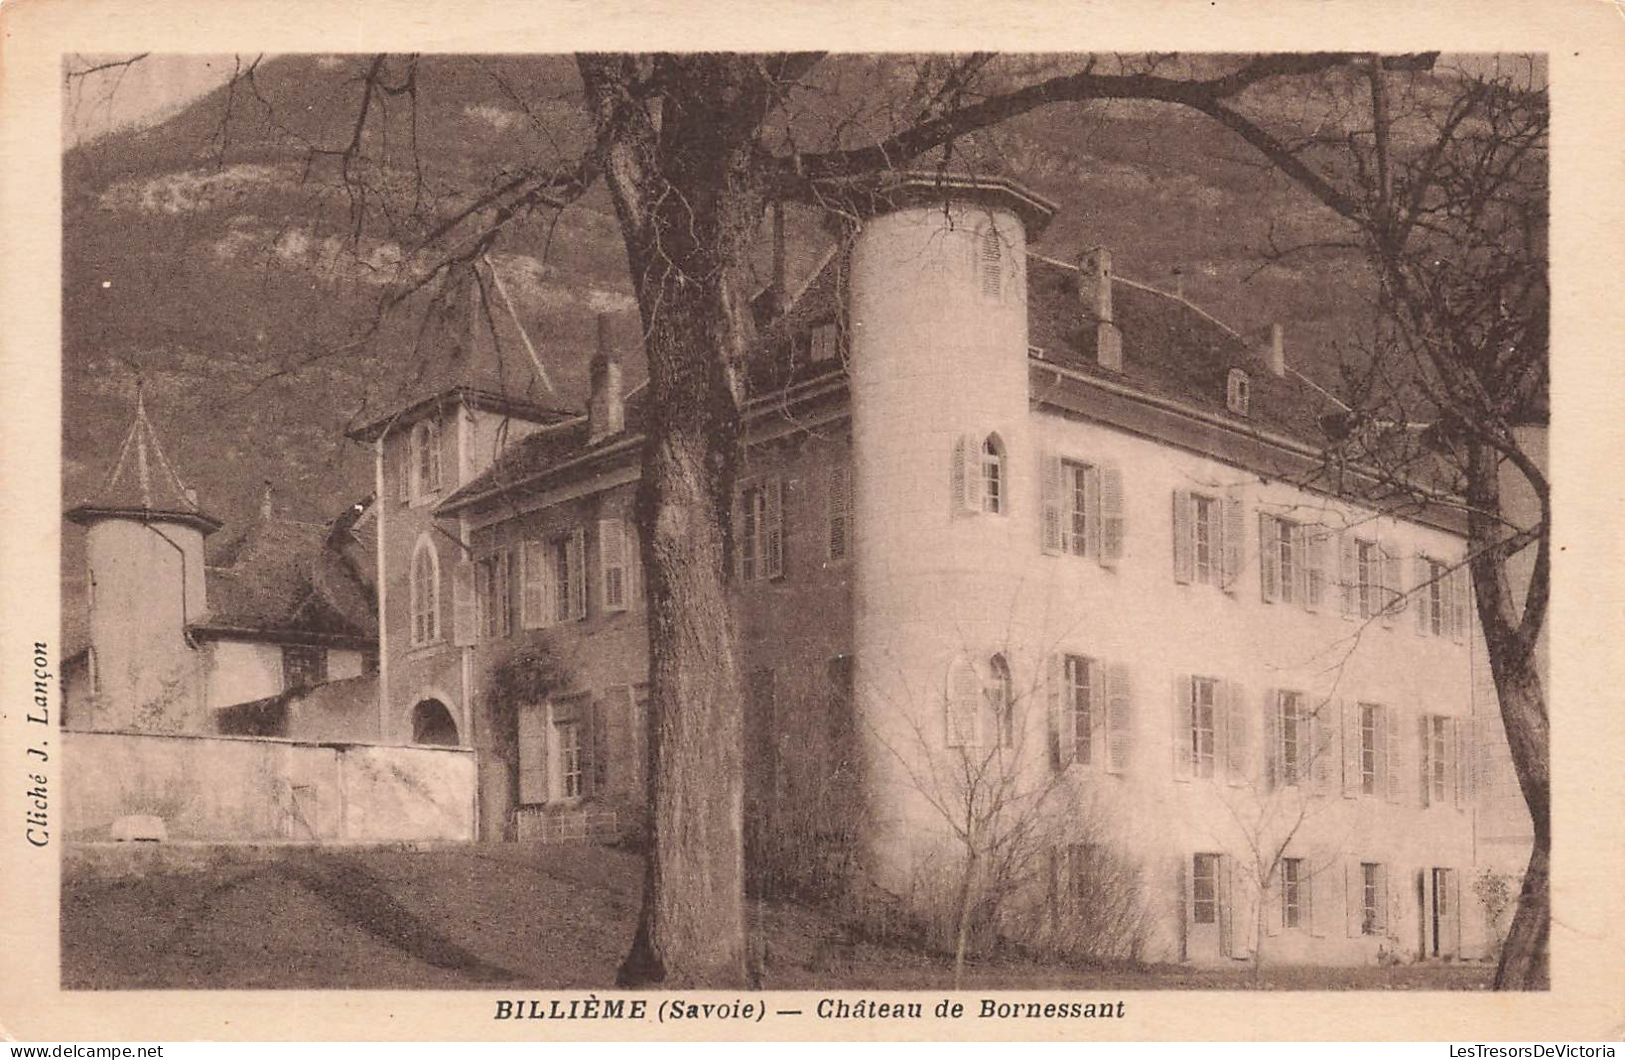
(144, 484)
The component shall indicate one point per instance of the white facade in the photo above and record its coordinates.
(1380, 855)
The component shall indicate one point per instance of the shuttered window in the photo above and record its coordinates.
(1294, 893)
(553, 580)
(614, 564)
(1208, 539)
(1082, 509)
(999, 691)
(493, 595)
(1289, 562)
(759, 530)
(995, 485)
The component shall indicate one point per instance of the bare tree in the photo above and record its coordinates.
(1444, 180)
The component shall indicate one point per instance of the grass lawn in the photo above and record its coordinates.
(489, 916)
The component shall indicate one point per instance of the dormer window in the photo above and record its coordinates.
(1238, 393)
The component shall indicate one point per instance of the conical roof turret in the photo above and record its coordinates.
(143, 483)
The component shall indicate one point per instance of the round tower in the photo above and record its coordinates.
(945, 481)
(144, 585)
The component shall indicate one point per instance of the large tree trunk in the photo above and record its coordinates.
(1512, 649)
(686, 190)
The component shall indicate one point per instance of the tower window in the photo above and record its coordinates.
(993, 483)
(425, 593)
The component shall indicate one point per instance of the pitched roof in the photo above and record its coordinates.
(1171, 348)
(485, 353)
(295, 580)
(143, 483)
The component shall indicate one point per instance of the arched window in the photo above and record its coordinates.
(994, 492)
(989, 258)
(1238, 394)
(425, 593)
(425, 458)
(1000, 695)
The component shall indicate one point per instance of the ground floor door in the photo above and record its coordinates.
(1439, 893)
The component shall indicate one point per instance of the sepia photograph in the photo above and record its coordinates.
(805, 520)
(905, 538)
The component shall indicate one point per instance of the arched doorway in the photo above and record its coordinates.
(432, 724)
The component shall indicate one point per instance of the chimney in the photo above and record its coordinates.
(265, 500)
(1095, 287)
(1276, 354)
(606, 415)
(1179, 282)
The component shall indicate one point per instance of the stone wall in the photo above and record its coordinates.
(227, 789)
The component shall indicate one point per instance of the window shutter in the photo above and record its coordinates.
(1182, 536)
(505, 592)
(1093, 530)
(1463, 764)
(1239, 740)
(575, 561)
(464, 620)
(1393, 588)
(1314, 568)
(1421, 577)
(532, 752)
(1183, 869)
(1453, 885)
(1392, 743)
(440, 441)
(612, 565)
(1225, 896)
(634, 565)
(1348, 573)
(1272, 899)
(840, 511)
(1232, 531)
(1097, 713)
(1269, 557)
(963, 701)
(1353, 897)
(1110, 493)
(596, 772)
(1052, 492)
(1323, 746)
(1352, 774)
(1467, 761)
(967, 475)
(1384, 918)
(1062, 734)
(1425, 759)
(1119, 719)
(773, 531)
(403, 484)
(1317, 892)
(1461, 602)
(1182, 726)
(1272, 739)
(1221, 731)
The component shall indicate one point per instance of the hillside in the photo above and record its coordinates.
(206, 256)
